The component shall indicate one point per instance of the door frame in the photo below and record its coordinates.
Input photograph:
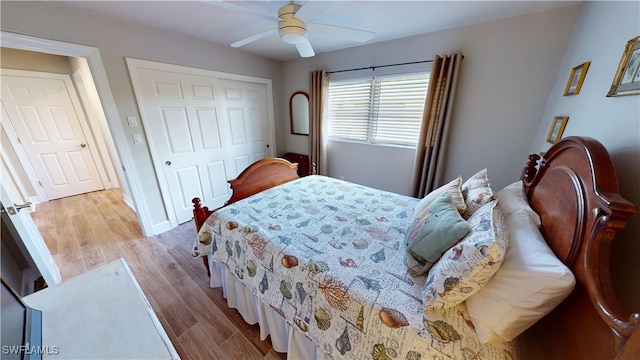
(86, 129)
(96, 67)
(134, 65)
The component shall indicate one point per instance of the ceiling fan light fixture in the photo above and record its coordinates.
(293, 34)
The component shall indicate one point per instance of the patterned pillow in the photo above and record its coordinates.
(476, 192)
(433, 232)
(470, 264)
(453, 188)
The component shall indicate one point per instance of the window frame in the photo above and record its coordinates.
(367, 131)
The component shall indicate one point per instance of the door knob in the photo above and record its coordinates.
(22, 206)
(168, 163)
(12, 210)
(83, 145)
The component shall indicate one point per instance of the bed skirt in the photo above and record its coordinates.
(284, 338)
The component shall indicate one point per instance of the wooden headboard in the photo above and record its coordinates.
(574, 189)
(259, 176)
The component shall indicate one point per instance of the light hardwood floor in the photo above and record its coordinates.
(86, 231)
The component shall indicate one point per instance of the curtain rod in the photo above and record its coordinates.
(380, 66)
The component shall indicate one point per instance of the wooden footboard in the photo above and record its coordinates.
(259, 176)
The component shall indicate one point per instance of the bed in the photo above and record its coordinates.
(322, 264)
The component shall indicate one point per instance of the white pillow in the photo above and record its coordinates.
(530, 283)
(512, 199)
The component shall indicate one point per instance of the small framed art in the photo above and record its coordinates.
(557, 128)
(574, 84)
(627, 78)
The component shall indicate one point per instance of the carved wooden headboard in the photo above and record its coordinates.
(574, 189)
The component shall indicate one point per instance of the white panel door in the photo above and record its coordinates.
(246, 111)
(28, 233)
(203, 132)
(48, 125)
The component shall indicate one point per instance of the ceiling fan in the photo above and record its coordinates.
(293, 25)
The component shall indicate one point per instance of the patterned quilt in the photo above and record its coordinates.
(329, 257)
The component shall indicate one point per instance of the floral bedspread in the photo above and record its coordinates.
(329, 257)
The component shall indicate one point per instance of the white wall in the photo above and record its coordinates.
(93, 107)
(391, 166)
(509, 68)
(600, 36)
(116, 40)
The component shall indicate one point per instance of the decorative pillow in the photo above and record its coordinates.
(530, 283)
(512, 199)
(476, 192)
(433, 232)
(453, 188)
(470, 264)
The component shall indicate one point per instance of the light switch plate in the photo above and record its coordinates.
(137, 139)
(133, 121)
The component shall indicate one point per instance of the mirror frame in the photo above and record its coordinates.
(291, 119)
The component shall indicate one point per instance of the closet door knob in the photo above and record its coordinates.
(168, 163)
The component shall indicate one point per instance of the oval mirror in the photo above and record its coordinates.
(299, 113)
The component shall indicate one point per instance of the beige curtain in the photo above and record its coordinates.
(432, 143)
(318, 125)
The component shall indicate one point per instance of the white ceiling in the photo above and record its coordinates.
(222, 23)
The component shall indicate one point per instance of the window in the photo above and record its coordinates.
(378, 111)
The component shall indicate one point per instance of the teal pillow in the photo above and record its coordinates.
(432, 233)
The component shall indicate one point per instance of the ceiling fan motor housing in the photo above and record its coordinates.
(292, 30)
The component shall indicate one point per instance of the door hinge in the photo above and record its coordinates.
(40, 183)
(123, 169)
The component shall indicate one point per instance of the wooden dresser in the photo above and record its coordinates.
(304, 167)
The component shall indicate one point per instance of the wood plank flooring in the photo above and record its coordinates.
(86, 231)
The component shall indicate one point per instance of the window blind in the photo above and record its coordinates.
(379, 111)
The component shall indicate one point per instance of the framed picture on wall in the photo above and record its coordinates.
(574, 84)
(557, 128)
(627, 78)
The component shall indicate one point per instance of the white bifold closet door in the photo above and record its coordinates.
(203, 130)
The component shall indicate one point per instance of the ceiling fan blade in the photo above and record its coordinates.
(352, 34)
(305, 49)
(253, 38)
(237, 7)
(310, 10)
